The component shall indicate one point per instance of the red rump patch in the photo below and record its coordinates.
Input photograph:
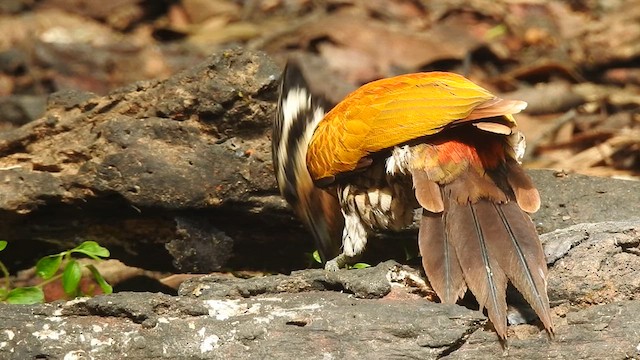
(487, 154)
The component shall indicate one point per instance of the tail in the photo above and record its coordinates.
(297, 116)
(476, 235)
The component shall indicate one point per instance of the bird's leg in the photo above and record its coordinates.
(354, 239)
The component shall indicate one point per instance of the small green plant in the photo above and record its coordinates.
(316, 257)
(48, 268)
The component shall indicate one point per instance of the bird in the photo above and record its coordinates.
(431, 141)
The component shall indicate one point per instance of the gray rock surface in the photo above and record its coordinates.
(569, 199)
(343, 315)
(594, 263)
(317, 325)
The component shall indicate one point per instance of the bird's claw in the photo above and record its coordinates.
(339, 262)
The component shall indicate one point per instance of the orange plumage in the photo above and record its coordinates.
(388, 112)
(438, 142)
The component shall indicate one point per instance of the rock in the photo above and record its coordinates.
(198, 246)
(569, 199)
(124, 169)
(282, 323)
(594, 263)
(183, 143)
(319, 324)
(367, 283)
(599, 332)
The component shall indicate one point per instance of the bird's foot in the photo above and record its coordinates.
(340, 262)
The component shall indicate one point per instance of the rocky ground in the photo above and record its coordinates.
(374, 313)
(173, 174)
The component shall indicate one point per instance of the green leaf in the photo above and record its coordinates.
(316, 257)
(3, 245)
(48, 266)
(496, 32)
(71, 277)
(104, 285)
(360, 266)
(25, 295)
(92, 249)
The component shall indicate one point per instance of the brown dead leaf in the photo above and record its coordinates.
(615, 36)
(351, 64)
(119, 14)
(602, 153)
(623, 76)
(548, 98)
(408, 12)
(199, 11)
(219, 30)
(613, 95)
(391, 48)
(174, 281)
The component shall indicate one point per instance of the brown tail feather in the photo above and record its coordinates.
(481, 242)
(483, 275)
(515, 244)
(526, 193)
(427, 192)
(439, 258)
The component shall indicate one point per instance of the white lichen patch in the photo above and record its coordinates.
(294, 311)
(273, 312)
(127, 337)
(79, 300)
(9, 335)
(47, 334)
(76, 355)
(97, 342)
(96, 328)
(225, 309)
(55, 319)
(274, 299)
(210, 342)
(262, 319)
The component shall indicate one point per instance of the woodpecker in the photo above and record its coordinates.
(432, 141)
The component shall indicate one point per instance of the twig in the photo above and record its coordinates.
(558, 123)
